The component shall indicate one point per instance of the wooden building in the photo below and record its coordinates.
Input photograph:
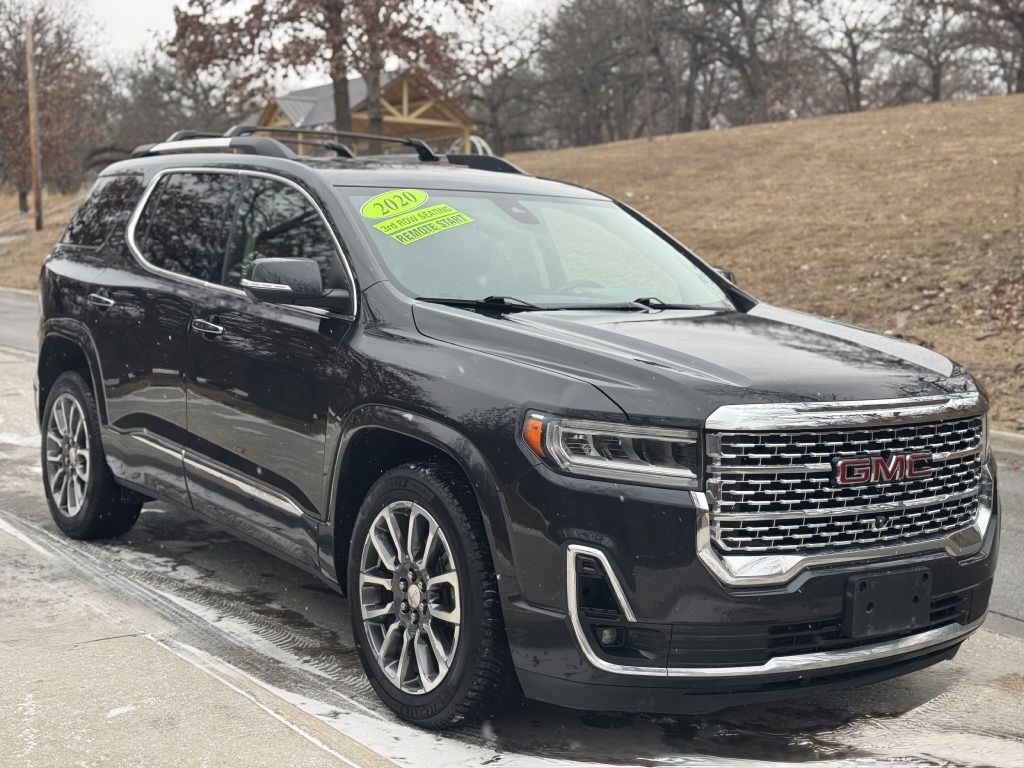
(411, 104)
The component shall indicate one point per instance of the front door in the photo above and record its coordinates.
(259, 377)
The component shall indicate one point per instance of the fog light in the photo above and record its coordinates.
(611, 637)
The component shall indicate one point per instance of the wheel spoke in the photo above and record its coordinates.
(388, 558)
(389, 638)
(442, 656)
(403, 660)
(378, 612)
(452, 615)
(60, 418)
(52, 435)
(450, 578)
(370, 579)
(395, 529)
(54, 457)
(56, 481)
(428, 546)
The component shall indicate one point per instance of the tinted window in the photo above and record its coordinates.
(108, 207)
(184, 227)
(275, 220)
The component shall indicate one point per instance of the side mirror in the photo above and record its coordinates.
(726, 274)
(293, 281)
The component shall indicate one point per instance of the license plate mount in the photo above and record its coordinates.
(888, 603)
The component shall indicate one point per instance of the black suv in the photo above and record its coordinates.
(536, 441)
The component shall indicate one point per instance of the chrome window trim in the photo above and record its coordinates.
(147, 193)
(850, 414)
(795, 664)
(777, 569)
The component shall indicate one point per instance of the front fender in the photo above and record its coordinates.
(449, 441)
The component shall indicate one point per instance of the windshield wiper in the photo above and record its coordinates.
(653, 302)
(505, 303)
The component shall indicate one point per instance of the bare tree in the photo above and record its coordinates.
(847, 35)
(932, 35)
(269, 38)
(497, 81)
(63, 78)
(1000, 27)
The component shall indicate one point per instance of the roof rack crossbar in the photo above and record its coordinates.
(423, 150)
(254, 145)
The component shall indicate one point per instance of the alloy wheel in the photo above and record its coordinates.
(67, 454)
(409, 597)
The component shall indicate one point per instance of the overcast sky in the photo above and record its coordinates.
(127, 25)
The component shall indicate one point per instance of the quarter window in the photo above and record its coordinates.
(275, 220)
(184, 227)
(108, 206)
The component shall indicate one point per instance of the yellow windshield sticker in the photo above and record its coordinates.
(393, 203)
(410, 227)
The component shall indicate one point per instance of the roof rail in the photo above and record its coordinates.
(422, 148)
(485, 163)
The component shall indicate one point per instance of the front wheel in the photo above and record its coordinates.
(424, 600)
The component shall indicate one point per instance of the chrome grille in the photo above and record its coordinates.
(773, 492)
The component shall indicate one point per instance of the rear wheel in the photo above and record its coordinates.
(84, 500)
(424, 601)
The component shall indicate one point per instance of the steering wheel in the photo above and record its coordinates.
(573, 286)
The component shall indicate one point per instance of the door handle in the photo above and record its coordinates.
(204, 326)
(100, 301)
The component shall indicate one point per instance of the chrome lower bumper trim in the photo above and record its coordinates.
(795, 665)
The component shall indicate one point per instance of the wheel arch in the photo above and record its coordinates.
(376, 438)
(67, 345)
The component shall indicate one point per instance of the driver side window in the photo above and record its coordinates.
(275, 220)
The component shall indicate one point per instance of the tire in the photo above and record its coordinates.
(479, 679)
(85, 502)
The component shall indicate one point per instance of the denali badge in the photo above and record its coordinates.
(861, 470)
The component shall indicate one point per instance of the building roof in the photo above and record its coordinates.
(309, 107)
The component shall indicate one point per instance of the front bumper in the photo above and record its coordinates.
(708, 643)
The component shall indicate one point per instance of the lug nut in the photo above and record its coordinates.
(415, 617)
(403, 585)
(404, 607)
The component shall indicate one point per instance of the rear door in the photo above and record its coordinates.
(259, 378)
(141, 307)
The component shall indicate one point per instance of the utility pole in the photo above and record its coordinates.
(33, 130)
(645, 31)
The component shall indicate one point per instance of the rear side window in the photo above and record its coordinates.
(107, 208)
(185, 225)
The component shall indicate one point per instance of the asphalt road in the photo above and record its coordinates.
(165, 645)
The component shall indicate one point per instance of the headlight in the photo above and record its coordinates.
(616, 451)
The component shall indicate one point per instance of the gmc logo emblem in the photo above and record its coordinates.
(874, 469)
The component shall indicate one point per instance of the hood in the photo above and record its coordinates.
(680, 365)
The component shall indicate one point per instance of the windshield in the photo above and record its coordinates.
(536, 249)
